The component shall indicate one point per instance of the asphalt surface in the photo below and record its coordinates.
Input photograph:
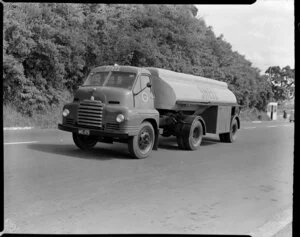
(285, 232)
(53, 187)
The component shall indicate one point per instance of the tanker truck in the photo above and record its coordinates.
(136, 105)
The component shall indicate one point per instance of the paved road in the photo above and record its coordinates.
(52, 187)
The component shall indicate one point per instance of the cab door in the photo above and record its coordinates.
(144, 99)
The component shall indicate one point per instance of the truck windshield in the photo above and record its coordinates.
(121, 79)
(116, 79)
(96, 79)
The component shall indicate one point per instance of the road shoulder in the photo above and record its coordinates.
(279, 225)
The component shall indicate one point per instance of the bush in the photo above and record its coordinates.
(12, 117)
(253, 114)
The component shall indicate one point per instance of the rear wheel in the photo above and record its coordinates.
(84, 142)
(232, 135)
(193, 134)
(180, 142)
(140, 146)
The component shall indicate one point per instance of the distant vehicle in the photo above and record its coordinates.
(292, 116)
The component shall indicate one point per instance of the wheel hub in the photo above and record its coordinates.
(196, 138)
(145, 141)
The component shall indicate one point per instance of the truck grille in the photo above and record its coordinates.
(90, 113)
(69, 121)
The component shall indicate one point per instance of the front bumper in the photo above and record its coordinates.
(93, 132)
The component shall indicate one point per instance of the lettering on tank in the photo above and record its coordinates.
(207, 95)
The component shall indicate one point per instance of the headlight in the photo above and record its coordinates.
(65, 112)
(120, 118)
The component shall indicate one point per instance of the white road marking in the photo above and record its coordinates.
(17, 143)
(256, 122)
(17, 128)
(249, 127)
(272, 126)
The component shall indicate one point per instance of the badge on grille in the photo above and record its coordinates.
(92, 98)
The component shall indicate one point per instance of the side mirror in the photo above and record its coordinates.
(147, 85)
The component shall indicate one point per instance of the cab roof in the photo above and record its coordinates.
(131, 69)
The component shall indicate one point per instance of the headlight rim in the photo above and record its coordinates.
(65, 113)
(120, 118)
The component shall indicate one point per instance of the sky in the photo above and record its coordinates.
(263, 31)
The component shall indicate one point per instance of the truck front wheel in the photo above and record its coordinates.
(232, 135)
(84, 142)
(140, 146)
(193, 134)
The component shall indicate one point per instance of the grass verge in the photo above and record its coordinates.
(49, 119)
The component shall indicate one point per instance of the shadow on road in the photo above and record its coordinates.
(97, 153)
(114, 151)
(170, 143)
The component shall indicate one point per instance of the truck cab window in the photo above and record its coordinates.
(96, 79)
(144, 80)
(141, 83)
(137, 86)
(121, 79)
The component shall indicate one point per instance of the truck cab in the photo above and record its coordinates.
(110, 106)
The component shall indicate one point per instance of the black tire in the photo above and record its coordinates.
(193, 134)
(180, 142)
(232, 135)
(84, 142)
(141, 145)
(166, 134)
(222, 137)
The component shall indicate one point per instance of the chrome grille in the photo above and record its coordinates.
(90, 113)
(69, 121)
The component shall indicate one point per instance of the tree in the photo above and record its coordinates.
(50, 47)
(283, 82)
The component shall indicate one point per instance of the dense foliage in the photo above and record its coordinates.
(50, 47)
(283, 82)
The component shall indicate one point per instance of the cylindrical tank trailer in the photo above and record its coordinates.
(171, 87)
(135, 105)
